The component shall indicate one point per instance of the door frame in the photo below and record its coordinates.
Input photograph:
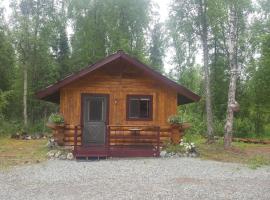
(107, 111)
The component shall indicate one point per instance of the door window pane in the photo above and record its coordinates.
(96, 109)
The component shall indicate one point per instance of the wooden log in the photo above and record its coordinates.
(71, 143)
(251, 140)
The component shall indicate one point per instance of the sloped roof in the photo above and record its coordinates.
(52, 92)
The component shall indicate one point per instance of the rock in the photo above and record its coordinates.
(70, 156)
(62, 157)
(180, 154)
(50, 154)
(169, 154)
(28, 137)
(163, 154)
(51, 143)
(192, 155)
(57, 154)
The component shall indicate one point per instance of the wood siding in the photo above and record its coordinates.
(118, 82)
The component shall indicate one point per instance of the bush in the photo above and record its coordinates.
(175, 119)
(243, 128)
(56, 118)
(10, 127)
(182, 147)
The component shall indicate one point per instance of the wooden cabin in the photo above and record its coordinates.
(117, 107)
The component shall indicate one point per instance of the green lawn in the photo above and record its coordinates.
(254, 155)
(17, 152)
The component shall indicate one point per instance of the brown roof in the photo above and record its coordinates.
(51, 93)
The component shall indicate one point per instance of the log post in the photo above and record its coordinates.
(75, 141)
(158, 141)
(108, 139)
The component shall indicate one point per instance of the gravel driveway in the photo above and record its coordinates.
(154, 178)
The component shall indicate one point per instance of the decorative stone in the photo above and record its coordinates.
(28, 137)
(57, 154)
(51, 143)
(163, 154)
(50, 154)
(63, 157)
(70, 156)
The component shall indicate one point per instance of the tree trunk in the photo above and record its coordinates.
(25, 95)
(232, 50)
(204, 39)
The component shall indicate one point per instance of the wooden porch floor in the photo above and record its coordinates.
(116, 151)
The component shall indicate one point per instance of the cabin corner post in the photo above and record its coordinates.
(75, 141)
(108, 139)
(158, 141)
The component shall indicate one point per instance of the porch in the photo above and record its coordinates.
(121, 141)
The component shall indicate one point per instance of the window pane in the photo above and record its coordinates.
(144, 108)
(95, 109)
(139, 108)
(134, 108)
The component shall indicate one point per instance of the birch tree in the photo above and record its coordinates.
(189, 26)
(235, 13)
(204, 39)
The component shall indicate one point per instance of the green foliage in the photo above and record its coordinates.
(195, 138)
(174, 148)
(257, 161)
(157, 48)
(176, 119)
(37, 38)
(56, 118)
(7, 60)
(4, 102)
(108, 26)
(10, 127)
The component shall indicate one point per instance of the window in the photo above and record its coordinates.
(139, 107)
(95, 109)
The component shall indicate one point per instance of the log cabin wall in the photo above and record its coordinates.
(119, 80)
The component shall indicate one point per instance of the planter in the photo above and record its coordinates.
(178, 131)
(58, 132)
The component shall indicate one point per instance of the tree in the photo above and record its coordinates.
(190, 25)
(157, 48)
(103, 27)
(6, 58)
(32, 28)
(204, 38)
(235, 13)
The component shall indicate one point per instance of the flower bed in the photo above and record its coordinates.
(183, 149)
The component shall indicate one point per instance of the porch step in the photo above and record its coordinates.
(91, 152)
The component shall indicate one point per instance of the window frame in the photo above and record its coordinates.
(130, 96)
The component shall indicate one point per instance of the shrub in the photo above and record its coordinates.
(56, 118)
(175, 119)
(182, 147)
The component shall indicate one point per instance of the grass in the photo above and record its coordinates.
(254, 155)
(17, 152)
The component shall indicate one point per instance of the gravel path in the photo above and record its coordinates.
(170, 178)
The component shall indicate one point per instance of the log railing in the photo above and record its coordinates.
(137, 140)
(132, 137)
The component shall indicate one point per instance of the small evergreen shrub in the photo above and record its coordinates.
(56, 118)
(175, 119)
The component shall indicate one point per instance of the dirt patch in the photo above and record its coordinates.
(187, 180)
(262, 150)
